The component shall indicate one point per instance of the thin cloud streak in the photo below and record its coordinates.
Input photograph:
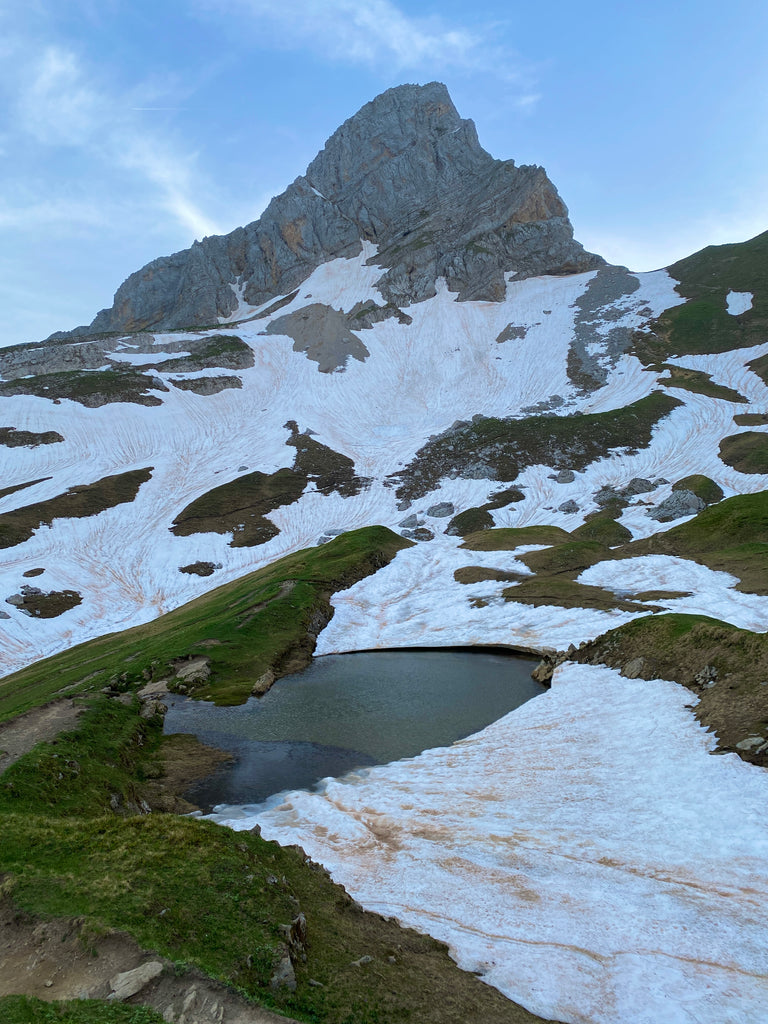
(376, 33)
(59, 106)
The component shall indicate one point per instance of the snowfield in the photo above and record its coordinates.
(379, 413)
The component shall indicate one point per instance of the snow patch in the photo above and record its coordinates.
(739, 302)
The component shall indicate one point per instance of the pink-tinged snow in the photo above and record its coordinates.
(738, 302)
(379, 413)
(711, 592)
(585, 853)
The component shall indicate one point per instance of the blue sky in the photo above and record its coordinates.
(128, 128)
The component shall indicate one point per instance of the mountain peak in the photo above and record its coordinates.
(405, 173)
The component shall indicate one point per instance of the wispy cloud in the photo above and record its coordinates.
(60, 104)
(376, 33)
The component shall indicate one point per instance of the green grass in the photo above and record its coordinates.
(506, 446)
(731, 536)
(76, 503)
(747, 452)
(701, 486)
(698, 382)
(110, 753)
(91, 388)
(508, 538)
(26, 1010)
(570, 558)
(245, 628)
(703, 324)
(604, 529)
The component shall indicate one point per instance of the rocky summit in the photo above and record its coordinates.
(407, 174)
(405, 408)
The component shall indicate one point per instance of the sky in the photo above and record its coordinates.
(129, 128)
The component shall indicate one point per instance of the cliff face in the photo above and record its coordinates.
(406, 173)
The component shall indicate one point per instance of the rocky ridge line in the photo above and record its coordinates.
(405, 173)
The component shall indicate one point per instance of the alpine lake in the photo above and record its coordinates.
(350, 711)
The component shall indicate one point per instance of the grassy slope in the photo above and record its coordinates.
(21, 1010)
(703, 323)
(245, 628)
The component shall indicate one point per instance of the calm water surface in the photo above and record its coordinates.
(347, 711)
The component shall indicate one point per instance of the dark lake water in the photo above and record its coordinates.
(347, 711)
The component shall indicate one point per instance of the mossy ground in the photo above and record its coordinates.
(503, 447)
(747, 452)
(699, 382)
(13, 438)
(703, 323)
(701, 486)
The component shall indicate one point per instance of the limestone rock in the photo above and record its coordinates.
(382, 177)
(127, 984)
(677, 505)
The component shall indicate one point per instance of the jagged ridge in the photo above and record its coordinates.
(406, 173)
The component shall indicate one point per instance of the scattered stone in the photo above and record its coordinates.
(200, 568)
(569, 507)
(409, 523)
(565, 476)
(193, 670)
(677, 505)
(441, 510)
(127, 984)
(152, 709)
(639, 485)
(263, 683)
(284, 975)
(362, 961)
(634, 669)
(750, 743)
(33, 572)
(421, 533)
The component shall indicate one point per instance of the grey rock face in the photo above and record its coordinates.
(677, 505)
(405, 172)
(441, 509)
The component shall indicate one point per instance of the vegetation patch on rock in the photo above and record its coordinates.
(13, 438)
(747, 452)
(498, 449)
(91, 388)
(76, 503)
(698, 382)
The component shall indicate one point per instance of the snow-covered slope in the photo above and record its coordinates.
(416, 381)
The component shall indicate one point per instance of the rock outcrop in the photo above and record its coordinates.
(405, 173)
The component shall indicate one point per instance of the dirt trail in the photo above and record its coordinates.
(18, 736)
(59, 959)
